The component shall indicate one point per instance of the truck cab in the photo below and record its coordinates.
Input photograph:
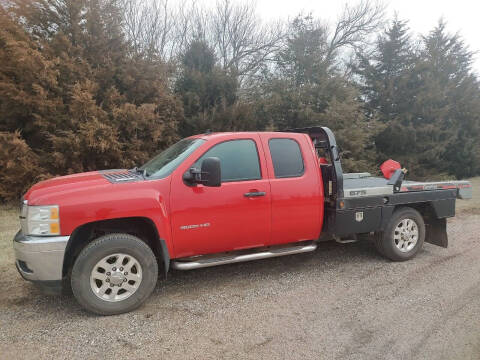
(210, 199)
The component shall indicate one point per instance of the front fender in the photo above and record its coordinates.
(147, 199)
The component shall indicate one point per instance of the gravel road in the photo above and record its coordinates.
(339, 302)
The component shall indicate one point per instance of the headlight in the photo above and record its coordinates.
(42, 220)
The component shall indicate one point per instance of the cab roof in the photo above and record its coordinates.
(213, 135)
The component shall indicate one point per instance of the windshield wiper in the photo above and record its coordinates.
(142, 172)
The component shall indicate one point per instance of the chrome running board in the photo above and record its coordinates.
(221, 259)
(346, 241)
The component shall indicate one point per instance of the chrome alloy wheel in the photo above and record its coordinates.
(405, 235)
(116, 277)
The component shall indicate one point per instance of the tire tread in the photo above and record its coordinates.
(92, 248)
(384, 243)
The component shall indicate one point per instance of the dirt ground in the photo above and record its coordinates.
(339, 302)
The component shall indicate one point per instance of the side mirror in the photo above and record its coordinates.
(209, 175)
(211, 172)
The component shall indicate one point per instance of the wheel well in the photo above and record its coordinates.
(425, 209)
(143, 228)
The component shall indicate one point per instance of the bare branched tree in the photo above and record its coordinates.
(149, 25)
(242, 42)
(163, 27)
(355, 25)
(190, 24)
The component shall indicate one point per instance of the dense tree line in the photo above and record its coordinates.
(93, 84)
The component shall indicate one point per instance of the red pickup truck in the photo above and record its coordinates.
(214, 199)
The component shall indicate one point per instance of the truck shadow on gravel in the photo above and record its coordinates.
(27, 300)
(327, 255)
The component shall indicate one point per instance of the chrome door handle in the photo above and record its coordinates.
(255, 194)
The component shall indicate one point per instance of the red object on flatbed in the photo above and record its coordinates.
(389, 167)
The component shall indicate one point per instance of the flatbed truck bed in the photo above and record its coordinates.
(364, 184)
(359, 203)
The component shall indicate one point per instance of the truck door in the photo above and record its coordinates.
(296, 187)
(235, 215)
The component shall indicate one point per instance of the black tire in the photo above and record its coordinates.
(385, 241)
(98, 250)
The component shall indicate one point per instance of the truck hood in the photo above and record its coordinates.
(50, 191)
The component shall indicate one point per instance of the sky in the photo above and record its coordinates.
(462, 16)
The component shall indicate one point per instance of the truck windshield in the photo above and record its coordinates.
(168, 160)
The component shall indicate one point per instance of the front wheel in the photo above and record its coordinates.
(114, 274)
(403, 236)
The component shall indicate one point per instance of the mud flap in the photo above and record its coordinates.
(436, 232)
(165, 257)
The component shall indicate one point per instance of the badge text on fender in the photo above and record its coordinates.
(194, 226)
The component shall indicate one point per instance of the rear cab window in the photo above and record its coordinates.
(286, 157)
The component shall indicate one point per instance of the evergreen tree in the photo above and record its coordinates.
(450, 102)
(389, 85)
(205, 90)
(69, 84)
(422, 95)
(306, 89)
(77, 94)
(29, 88)
(385, 73)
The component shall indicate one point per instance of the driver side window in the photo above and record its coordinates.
(238, 160)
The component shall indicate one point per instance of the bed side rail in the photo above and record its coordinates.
(464, 188)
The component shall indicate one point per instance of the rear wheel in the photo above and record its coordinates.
(114, 274)
(403, 236)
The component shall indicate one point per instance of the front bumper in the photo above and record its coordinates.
(40, 258)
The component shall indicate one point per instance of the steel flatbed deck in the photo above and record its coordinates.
(359, 203)
(364, 184)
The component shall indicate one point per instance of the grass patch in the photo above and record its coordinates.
(9, 225)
